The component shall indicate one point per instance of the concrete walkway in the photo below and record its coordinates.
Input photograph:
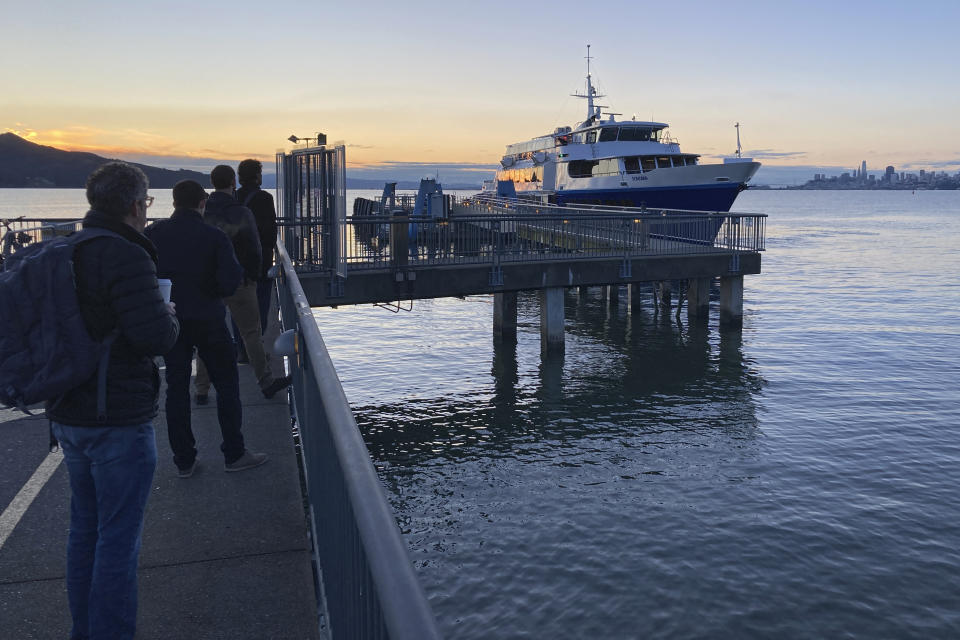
(225, 555)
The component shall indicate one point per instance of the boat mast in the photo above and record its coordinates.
(592, 111)
(737, 127)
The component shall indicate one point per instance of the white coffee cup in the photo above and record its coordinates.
(165, 287)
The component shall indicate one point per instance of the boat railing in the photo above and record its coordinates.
(368, 587)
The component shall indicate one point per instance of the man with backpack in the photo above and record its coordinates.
(224, 212)
(104, 425)
(260, 202)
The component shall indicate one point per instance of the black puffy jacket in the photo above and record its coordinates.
(199, 259)
(224, 212)
(117, 288)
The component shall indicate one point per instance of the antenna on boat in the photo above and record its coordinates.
(592, 111)
(737, 127)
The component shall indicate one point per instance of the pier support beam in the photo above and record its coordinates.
(505, 315)
(551, 320)
(731, 301)
(611, 293)
(634, 301)
(664, 293)
(698, 298)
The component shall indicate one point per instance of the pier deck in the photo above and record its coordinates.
(225, 555)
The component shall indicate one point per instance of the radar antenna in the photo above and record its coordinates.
(591, 93)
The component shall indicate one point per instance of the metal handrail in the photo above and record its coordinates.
(369, 587)
(527, 233)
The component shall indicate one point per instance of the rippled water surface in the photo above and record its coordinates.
(796, 479)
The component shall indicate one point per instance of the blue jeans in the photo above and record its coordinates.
(111, 471)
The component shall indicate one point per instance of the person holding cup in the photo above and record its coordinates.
(199, 261)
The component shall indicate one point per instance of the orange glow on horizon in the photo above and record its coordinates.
(97, 141)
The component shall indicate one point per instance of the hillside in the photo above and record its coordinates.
(25, 164)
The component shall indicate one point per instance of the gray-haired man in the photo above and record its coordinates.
(111, 457)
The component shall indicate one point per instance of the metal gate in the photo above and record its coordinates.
(312, 201)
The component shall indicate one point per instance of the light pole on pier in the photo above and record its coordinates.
(320, 139)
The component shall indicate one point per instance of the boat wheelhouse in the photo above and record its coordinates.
(632, 163)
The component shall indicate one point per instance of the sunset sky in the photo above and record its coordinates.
(188, 83)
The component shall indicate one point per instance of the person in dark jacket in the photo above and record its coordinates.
(200, 261)
(111, 458)
(224, 212)
(260, 202)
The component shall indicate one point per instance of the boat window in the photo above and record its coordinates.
(608, 134)
(691, 160)
(631, 164)
(656, 135)
(663, 162)
(648, 163)
(634, 134)
(581, 168)
(591, 137)
(607, 167)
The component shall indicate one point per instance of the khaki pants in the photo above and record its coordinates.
(246, 314)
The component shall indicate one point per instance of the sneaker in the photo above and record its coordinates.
(202, 398)
(186, 472)
(247, 461)
(278, 383)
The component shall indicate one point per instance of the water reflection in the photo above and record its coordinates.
(623, 373)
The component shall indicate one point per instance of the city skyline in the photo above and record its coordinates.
(428, 85)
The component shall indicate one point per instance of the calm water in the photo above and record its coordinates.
(796, 479)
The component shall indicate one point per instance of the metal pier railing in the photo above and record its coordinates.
(479, 235)
(368, 585)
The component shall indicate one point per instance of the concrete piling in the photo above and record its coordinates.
(698, 298)
(731, 301)
(551, 320)
(505, 315)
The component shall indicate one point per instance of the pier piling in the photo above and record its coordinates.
(551, 320)
(731, 301)
(698, 298)
(505, 315)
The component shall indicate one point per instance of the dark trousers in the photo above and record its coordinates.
(214, 345)
(264, 289)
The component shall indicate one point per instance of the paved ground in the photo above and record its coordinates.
(225, 555)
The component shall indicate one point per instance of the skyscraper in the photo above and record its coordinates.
(863, 170)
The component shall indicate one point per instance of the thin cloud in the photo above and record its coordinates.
(936, 164)
(767, 153)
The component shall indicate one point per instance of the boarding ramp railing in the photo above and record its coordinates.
(497, 231)
(368, 587)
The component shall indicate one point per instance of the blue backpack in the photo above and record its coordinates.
(45, 348)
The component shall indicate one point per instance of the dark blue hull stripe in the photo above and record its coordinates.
(698, 197)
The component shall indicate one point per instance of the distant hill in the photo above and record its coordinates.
(25, 164)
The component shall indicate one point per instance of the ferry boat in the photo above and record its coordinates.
(610, 162)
